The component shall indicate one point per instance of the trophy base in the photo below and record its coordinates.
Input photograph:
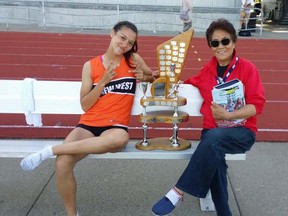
(163, 143)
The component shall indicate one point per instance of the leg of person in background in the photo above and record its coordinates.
(242, 20)
(187, 25)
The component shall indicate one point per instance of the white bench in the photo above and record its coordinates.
(33, 98)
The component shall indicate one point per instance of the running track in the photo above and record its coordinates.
(53, 56)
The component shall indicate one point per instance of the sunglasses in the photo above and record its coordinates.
(216, 43)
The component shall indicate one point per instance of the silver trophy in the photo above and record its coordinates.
(174, 91)
(144, 87)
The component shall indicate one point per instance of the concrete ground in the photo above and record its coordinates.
(257, 186)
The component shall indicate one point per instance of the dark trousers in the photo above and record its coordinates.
(207, 168)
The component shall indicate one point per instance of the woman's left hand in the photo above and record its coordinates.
(218, 112)
(139, 74)
(155, 74)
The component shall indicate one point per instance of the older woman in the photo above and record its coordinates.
(207, 168)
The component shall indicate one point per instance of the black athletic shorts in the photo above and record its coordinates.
(97, 131)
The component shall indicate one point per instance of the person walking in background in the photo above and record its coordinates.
(207, 169)
(185, 14)
(106, 97)
(245, 11)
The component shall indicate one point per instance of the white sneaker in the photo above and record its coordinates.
(31, 161)
(34, 160)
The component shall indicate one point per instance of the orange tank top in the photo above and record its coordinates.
(115, 103)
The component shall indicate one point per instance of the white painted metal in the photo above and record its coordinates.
(10, 96)
(49, 97)
(206, 204)
(19, 148)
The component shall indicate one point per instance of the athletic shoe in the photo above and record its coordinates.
(31, 161)
(163, 207)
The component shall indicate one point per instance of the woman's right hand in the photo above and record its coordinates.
(89, 95)
(110, 73)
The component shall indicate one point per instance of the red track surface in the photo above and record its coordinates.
(52, 56)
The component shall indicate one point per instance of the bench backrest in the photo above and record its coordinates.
(62, 97)
(11, 96)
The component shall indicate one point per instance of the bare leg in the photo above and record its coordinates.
(65, 179)
(244, 19)
(111, 140)
(72, 151)
(66, 182)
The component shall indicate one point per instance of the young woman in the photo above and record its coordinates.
(106, 96)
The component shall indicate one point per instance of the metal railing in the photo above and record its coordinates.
(44, 16)
(260, 18)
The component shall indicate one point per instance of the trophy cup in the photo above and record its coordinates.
(144, 87)
(164, 92)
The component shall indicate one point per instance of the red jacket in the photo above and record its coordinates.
(244, 71)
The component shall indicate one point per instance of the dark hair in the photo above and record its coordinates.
(118, 26)
(221, 24)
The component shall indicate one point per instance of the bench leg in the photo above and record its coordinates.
(206, 204)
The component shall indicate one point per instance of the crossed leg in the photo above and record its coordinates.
(78, 144)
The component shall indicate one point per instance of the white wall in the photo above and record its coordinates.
(196, 3)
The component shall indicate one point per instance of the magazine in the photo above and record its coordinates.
(229, 95)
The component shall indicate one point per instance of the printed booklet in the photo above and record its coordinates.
(229, 95)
